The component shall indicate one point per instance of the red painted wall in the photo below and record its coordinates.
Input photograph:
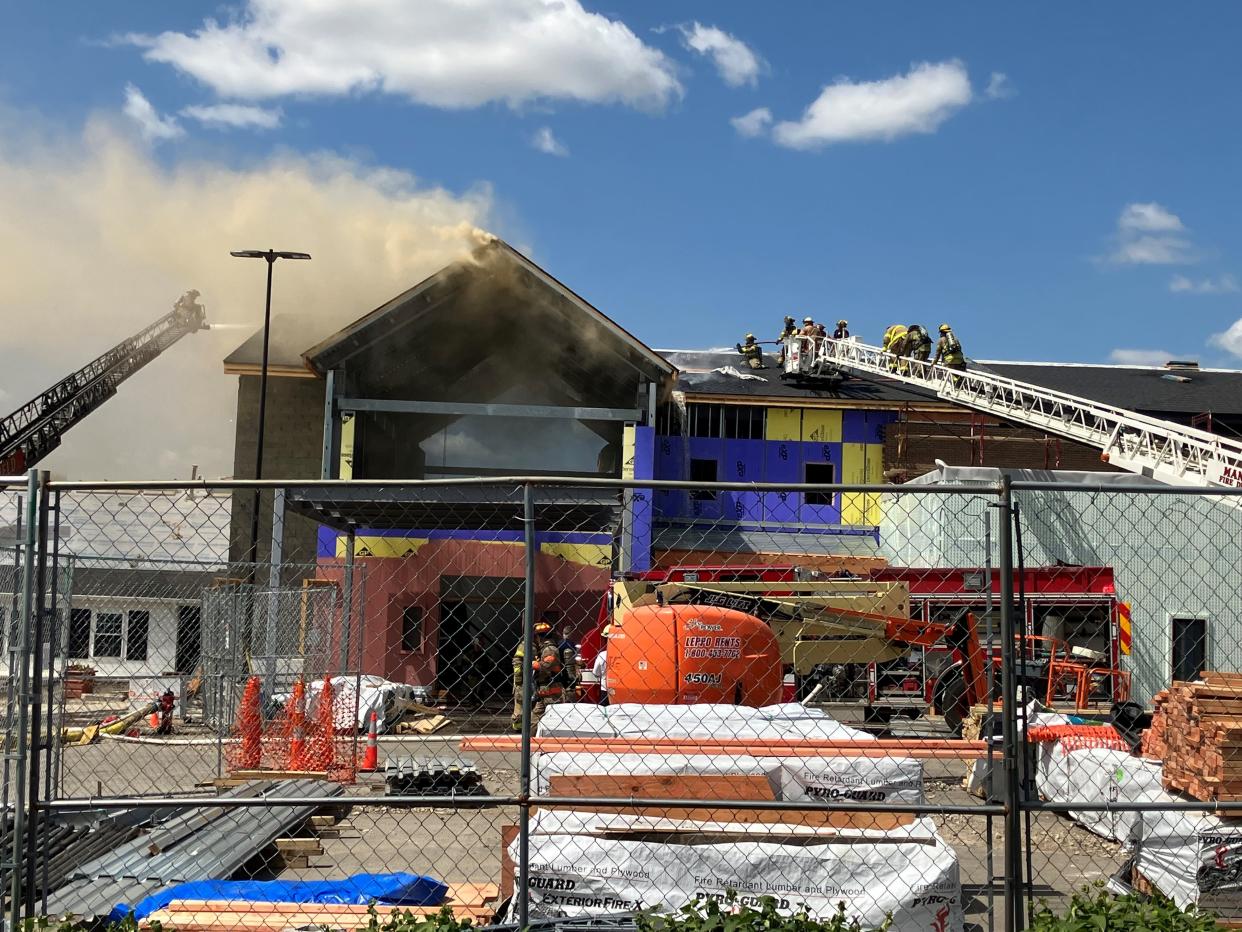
(387, 585)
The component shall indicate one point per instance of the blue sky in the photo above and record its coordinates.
(1087, 205)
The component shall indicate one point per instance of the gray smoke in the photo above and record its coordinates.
(100, 239)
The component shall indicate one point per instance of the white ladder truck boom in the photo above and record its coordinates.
(1147, 446)
(35, 429)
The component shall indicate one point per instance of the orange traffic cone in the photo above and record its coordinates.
(370, 760)
(323, 746)
(297, 726)
(250, 727)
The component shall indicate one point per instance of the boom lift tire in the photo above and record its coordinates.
(949, 697)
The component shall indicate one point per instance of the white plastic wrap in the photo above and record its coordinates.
(916, 881)
(789, 720)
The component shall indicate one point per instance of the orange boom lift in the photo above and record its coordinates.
(730, 641)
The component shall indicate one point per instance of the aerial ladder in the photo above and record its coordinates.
(1148, 446)
(35, 429)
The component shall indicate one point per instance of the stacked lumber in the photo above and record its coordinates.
(474, 901)
(1152, 745)
(1197, 732)
(716, 792)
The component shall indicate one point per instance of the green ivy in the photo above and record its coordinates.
(44, 924)
(711, 914)
(1094, 909)
(402, 920)
(398, 920)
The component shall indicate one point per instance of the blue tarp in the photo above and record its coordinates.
(358, 890)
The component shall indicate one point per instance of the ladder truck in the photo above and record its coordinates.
(35, 429)
(1147, 446)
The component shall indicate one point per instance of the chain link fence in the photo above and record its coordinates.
(571, 700)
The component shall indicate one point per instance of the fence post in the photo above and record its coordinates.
(275, 559)
(528, 651)
(51, 738)
(347, 598)
(19, 735)
(38, 620)
(1014, 919)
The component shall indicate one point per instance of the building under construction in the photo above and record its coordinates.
(491, 367)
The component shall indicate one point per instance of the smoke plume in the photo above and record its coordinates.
(99, 239)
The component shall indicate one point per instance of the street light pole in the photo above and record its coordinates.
(267, 341)
(270, 256)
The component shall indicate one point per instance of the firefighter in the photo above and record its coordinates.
(918, 342)
(843, 330)
(790, 329)
(168, 702)
(552, 676)
(949, 350)
(808, 326)
(821, 331)
(890, 337)
(751, 351)
(899, 347)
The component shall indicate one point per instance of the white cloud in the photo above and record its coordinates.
(152, 126)
(1148, 218)
(1140, 357)
(753, 123)
(1150, 234)
(1225, 284)
(545, 142)
(848, 111)
(735, 61)
(1230, 340)
(234, 116)
(444, 53)
(999, 87)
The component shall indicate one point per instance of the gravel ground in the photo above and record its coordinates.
(464, 845)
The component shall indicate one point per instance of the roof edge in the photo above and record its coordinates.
(279, 371)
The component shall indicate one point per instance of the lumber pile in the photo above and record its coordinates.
(1197, 732)
(883, 748)
(427, 725)
(474, 901)
(411, 717)
(717, 792)
(1152, 744)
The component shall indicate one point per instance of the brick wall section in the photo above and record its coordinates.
(292, 449)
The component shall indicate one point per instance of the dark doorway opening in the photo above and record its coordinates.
(189, 638)
(479, 629)
(1189, 648)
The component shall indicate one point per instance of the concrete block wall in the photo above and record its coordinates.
(292, 449)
